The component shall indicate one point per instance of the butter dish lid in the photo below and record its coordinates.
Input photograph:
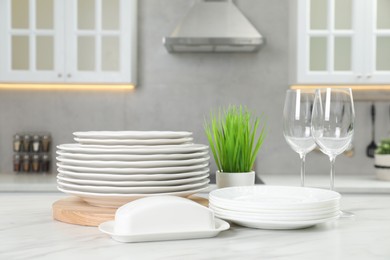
(162, 218)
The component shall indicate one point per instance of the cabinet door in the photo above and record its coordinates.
(31, 34)
(101, 41)
(329, 41)
(378, 42)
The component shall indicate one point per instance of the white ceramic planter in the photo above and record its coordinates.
(382, 166)
(232, 179)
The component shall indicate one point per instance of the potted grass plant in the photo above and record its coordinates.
(235, 142)
(382, 160)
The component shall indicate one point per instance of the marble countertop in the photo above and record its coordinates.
(27, 231)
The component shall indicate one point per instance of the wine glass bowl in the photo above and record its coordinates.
(333, 120)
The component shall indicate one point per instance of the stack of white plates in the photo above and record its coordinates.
(275, 207)
(109, 169)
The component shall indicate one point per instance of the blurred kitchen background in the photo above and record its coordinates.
(176, 91)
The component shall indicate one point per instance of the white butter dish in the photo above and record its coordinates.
(162, 218)
(108, 228)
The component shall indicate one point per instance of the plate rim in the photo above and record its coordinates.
(139, 134)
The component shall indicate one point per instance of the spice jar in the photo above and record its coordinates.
(35, 163)
(26, 143)
(36, 143)
(17, 143)
(45, 163)
(26, 163)
(46, 139)
(17, 163)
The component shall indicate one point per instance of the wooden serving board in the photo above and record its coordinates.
(74, 210)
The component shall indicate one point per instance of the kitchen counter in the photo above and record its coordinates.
(27, 231)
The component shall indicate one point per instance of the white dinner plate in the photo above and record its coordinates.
(132, 157)
(276, 197)
(132, 134)
(277, 224)
(274, 217)
(242, 208)
(115, 200)
(127, 190)
(133, 164)
(141, 149)
(66, 178)
(108, 228)
(134, 141)
(166, 170)
(132, 177)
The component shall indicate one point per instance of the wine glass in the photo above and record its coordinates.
(297, 116)
(333, 124)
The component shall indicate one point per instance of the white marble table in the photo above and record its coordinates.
(27, 231)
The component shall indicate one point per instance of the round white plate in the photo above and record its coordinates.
(277, 224)
(108, 228)
(142, 149)
(132, 177)
(274, 217)
(242, 208)
(132, 134)
(127, 190)
(275, 197)
(134, 141)
(64, 177)
(115, 200)
(137, 164)
(166, 170)
(132, 157)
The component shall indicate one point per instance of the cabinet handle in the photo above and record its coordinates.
(59, 75)
(359, 76)
(69, 75)
(368, 76)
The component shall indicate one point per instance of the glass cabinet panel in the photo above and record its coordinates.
(32, 47)
(20, 14)
(86, 14)
(318, 14)
(86, 53)
(45, 53)
(20, 53)
(383, 53)
(110, 53)
(44, 14)
(318, 53)
(110, 14)
(98, 38)
(343, 14)
(342, 53)
(383, 14)
(382, 45)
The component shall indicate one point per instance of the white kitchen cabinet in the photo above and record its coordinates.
(340, 42)
(68, 41)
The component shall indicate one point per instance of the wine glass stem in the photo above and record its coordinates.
(332, 161)
(303, 156)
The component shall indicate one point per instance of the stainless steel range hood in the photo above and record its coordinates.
(214, 26)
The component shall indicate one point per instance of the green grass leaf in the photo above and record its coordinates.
(232, 134)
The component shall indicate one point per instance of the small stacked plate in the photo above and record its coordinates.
(109, 169)
(275, 207)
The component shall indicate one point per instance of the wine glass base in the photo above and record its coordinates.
(346, 214)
